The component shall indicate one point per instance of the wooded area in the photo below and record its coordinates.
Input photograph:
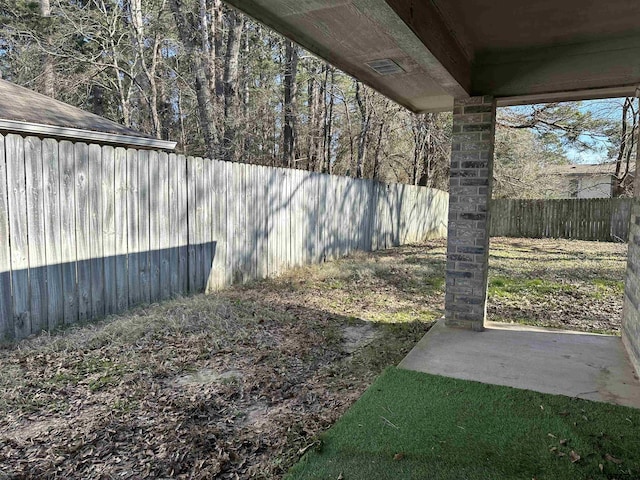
(225, 87)
(91, 230)
(220, 84)
(597, 219)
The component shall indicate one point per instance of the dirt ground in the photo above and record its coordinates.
(239, 384)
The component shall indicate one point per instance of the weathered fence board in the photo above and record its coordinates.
(89, 230)
(6, 313)
(226, 171)
(155, 212)
(109, 229)
(164, 225)
(68, 239)
(144, 243)
(96, 234)
(121, 229)
(183, 236)
(83, 231)
(14, 148)
(35, 229)
(172, 234)
(596, 219)
(132, 228)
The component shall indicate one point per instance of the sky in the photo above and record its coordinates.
(610, 109)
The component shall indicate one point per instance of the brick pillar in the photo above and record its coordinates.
(469, 196)
(631, 306)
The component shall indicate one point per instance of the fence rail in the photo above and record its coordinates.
(600, 219)
(90, 230)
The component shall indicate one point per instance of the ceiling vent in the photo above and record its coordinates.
(385, 66)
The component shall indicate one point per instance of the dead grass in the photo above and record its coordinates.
(239, 384)
(567, 284)
(234, 385)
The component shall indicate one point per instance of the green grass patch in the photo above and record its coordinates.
(608, 287)
(537, 287)
(411, 425)
(404, 316)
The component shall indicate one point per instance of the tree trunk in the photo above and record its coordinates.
(123, 96)
(211, 15)
(376, 158)
(347, 115)
(623, 147)
(183, 132)
(205, 104)
(231, 70)
(289, 107)
(365, 122)
(246, 75)
(149, 68)
(48, 70)
(97, 99)
(216, 34)
(328, 120)
(315, 127)
(312, 109)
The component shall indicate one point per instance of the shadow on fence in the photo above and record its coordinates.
(90, 230)
(51, 296)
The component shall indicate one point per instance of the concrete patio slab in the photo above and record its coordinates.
(594, 367)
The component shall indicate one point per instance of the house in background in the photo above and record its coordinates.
(588, 181)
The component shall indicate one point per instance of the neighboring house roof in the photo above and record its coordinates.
(28, 112)
(607, 168)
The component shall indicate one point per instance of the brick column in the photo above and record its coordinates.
(469, 196)
(631, 306)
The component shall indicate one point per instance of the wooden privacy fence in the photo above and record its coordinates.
(601, 219)
(90, 230)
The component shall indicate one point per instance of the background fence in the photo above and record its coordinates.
(89, 230)
(602, 219)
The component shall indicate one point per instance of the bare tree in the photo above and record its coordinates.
(365, 123)
(149, 66)
(627, 144)
(329, 81)
(187, 34)
(231, 71)
(48, 76)
(289, 106)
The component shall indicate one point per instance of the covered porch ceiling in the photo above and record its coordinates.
(520, 52)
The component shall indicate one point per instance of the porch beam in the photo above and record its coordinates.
(552, 73)
(453, 67)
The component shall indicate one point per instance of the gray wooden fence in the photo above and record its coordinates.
(90, 230)
(601, 219)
